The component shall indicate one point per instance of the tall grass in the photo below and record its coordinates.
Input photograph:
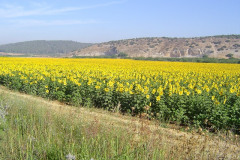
(33, 132)
(31, 129)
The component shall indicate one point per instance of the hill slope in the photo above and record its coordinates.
(214, 46)
(42, 47)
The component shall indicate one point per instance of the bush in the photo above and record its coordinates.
(122, 55)
(230, 55)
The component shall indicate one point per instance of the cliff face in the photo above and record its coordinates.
(216, 46)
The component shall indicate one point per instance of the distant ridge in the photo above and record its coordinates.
(43, 47)
(213, 46)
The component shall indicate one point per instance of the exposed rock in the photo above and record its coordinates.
(216, 46)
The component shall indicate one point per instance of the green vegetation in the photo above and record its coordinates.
(190, 105)
(32, 128)
(230, 55)
(205, 56)
(150, 39)
(205, 59)
(119, 55)
(43, 47)
(105, 56)
(234, 36)
(31, 131)
(236, 45)
(23, 55)
(122, 55)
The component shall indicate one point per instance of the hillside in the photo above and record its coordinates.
(213, 46)
(42, 47)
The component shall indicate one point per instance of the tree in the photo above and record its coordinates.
(122, 55)
(205, 56)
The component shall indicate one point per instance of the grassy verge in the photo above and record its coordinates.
(32, 132)
(33, 128)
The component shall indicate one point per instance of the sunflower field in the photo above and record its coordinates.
(201, 94)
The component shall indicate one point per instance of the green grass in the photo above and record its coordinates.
(33, 129)
(33, 132)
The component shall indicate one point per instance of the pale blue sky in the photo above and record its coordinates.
(105, 20)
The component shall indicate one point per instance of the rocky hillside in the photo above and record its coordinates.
(213, 46)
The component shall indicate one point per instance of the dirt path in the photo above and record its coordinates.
(141, 128)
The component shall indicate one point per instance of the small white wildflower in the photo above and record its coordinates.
(70, 157)
(3, 113)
